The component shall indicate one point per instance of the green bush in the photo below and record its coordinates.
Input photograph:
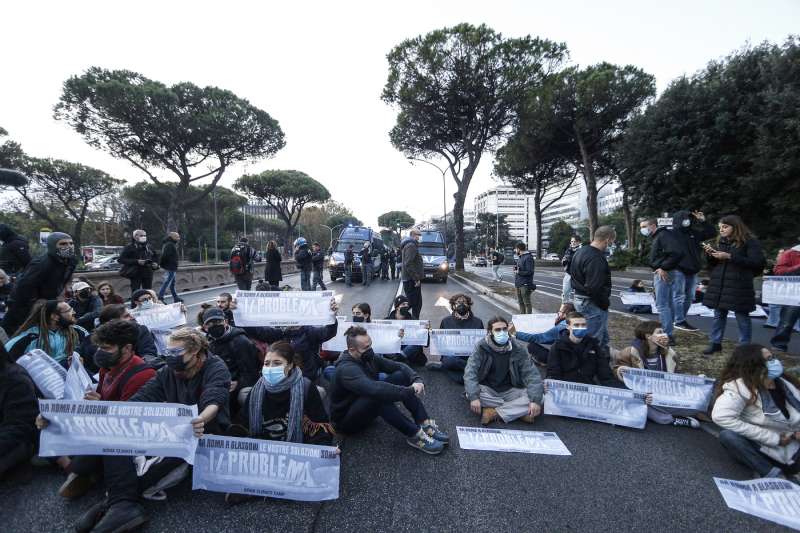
(623, 259)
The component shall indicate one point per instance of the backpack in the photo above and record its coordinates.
(238, 263)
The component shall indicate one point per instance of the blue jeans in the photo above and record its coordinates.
(746, 452)
(169, 282)
(774, 316)
(566, 288)
(414, 355)
(682, 298)
(366, 273)
(305, 280)
(721, 320)
(783, 333)
(348, 275)
(454, 367)
(317, 280)
(596, 320)
(668, 294)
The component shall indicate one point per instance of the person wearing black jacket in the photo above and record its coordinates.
(734, 261)
(579, 358)
(591, 280)
(18, 410)
(318, 265)
(690, 230)
(497, 262)
(349, 261)
(138, 262)
(569, 253)
(367, 271)
(665, 255)
(15, 254)
(43, 279)
(145, 344)
(169, 262)
(302, 256)
(523, 278)
(358, 397)
(461, 317)
(392, 257)
(87, 306)
(272, 269)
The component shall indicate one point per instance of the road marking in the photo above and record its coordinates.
(485, 298)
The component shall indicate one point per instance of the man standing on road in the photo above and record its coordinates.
(169, 262)
(690, 230)
(318, 264)
(591, 280)
(665, 255)
(412, 271)
(349, 259)
(302, 256)
(367, 271)
(566, 284)
(138, 262)
(241, 264)
(497, 261)
(393, 261)
(523, 279)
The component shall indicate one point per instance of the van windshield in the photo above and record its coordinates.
(430, 249)
(341, 246)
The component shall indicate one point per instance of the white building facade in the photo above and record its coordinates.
(508, 201)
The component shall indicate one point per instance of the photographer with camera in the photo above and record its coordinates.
(138, 262)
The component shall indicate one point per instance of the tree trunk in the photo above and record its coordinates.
(537, 209)
(627, 214)
(591, 184)
(458, 216)
(77, 232)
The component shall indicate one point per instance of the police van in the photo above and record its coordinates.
(434, 255)
(357, 236)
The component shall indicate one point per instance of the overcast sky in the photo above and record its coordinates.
(319, 69)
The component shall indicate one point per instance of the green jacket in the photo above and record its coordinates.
(523, 373)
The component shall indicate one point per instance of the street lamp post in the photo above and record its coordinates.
(216, 246)
(330, 229)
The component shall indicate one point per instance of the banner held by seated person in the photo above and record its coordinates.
(773, 499)
(385, 337)
(162, 317)
(46, 373)
(619, 407)
(455, 342)
(415, 332)
(118, 428)
(283, 308)
(534, 323)
(257, 467)
(510, 440)
(680, 391)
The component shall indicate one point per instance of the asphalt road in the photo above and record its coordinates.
(548, 282)
(657, 479)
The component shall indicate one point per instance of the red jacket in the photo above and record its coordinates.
(110, 381)
(788, 263)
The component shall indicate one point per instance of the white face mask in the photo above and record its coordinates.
(645, 231)
(147, 304)
(142, 239)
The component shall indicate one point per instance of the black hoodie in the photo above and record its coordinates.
(169, 255)
(665, 252)
(14, 254)
(690, 240)
(240, 356)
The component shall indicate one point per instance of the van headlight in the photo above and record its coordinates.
(332, 262)
(444, 266)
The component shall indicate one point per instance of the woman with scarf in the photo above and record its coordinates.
(650, 351)
(758, 407)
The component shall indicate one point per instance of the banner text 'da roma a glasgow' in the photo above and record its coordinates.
(293, 308)
(671, 390)
(620, 407)
(266, 468)
(777, 500)
(455, 342)
(510, 440)
(117, 428)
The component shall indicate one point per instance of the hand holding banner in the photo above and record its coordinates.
(284, 308)
(671, 390)
(637, 298)
(117, 428)
(619, 407)
(45, 372)
(385, 337)
(160, 316)
(534, 323)
(415, 332)
(455, 342)
(267, 468)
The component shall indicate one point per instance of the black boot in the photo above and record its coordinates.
(713, 347)
(121, 516)
(88, 519)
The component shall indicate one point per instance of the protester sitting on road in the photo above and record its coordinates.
(461, 317)
(357, 397)
(758, 407)
(145, 346)
(87, 306)
(650, 350)
(106, 292)
(224, 302)
(362, 312)
(122, 374)
(142, 300)
(500, 381)
(18, 408)
(734, 261)
(63, 335)
(192, 376)
(577, 357)
(401, 310)
(536, 341)
(637, 285)
(234, 347)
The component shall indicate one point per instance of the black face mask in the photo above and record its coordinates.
(358, 319)
(105, 359)
(368, 356)
(404, 312)
(63, 323)
(462, 309)
(216, 331)
(84, 295)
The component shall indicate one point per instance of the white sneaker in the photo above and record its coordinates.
(686, 421)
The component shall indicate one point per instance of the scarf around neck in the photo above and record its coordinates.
(294, 383)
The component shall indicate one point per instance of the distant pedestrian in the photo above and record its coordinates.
(497, 261)
(665, 254)
(169, 262)
(523, 279)
(15, 253)
(788, 265)
(566, 283)
(734, 261)
(318, 266)
(393, 261)
(138, 262)
(302, 256)
(412, 272)
(349, 261)
(241, 264)
(591, 280)
(367, 270)
(272, 270)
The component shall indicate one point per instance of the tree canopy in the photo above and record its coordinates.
(395, 219)
(11, 159)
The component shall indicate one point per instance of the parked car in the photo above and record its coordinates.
(551, 257)
(479, 261)
(105, 263)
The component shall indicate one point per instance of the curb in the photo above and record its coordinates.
(485, 291)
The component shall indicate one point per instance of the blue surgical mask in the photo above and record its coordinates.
(272, 374)
(500, 337)
(579, 332)
(774, 368)
(645, 231)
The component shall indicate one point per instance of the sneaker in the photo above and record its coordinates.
(88, 519)
(528, 419)
(686, 421)
(712, 348)
(424, 443)
(75, 486)
(433, 431)
(488, 415)
(685, 326)
(672, 341)
(433, 365)
(122, 516)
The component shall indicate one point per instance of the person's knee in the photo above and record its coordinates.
(729, 439)
(398, 378)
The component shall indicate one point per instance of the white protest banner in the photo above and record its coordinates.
(781, 290)
(455, 342)
(773, 499)
(45, 372)
(78, 380)
(385, 337)
(534, 323)
(415, 332)
(510, 440)
(266, 468)
(283, 308)
(664, 222)
(637, 298)
(620, 407)
(671, 390)
(117, 428)
(160, 316)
